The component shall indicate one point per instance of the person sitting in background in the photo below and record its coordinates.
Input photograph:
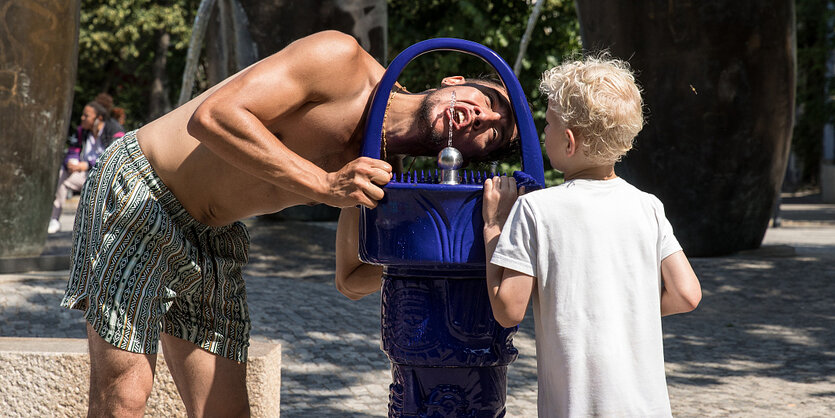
(106, 101)
(114, 114)
(95, 133)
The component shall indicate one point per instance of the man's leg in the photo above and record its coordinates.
(120, 381)
(210, 385)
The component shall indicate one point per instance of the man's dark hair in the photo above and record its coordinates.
(511, 149)
(508, 153)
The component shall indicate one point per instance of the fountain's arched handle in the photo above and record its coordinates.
(531, 152)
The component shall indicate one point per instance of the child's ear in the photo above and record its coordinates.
(571, 143)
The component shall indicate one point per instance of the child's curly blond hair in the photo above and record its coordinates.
(600, 101)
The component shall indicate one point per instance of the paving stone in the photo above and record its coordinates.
(762, 342)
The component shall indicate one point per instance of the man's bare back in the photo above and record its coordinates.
(317, 114)
(288, 131)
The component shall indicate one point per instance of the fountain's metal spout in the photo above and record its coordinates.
(449, 161)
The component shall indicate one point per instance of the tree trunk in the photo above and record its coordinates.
(526, 38)
(159, 103)
(195, 45)
(719, 85)
(229, 46)
(38, 57)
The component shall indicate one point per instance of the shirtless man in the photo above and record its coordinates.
(158, 243)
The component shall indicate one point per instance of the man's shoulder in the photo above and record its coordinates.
(333, 37)
(330, 45)
(332, 63)
(322, 52)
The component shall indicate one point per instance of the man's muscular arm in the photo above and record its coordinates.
(354, 278)
(233, 122)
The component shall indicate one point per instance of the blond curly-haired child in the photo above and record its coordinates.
(596, 255)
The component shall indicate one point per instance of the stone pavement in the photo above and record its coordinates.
(762, 342)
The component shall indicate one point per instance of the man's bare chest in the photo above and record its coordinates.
(328, 136)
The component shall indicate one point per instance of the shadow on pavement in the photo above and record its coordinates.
(759, 316)
(764, 313)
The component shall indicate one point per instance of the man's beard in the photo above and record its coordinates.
(431, 138)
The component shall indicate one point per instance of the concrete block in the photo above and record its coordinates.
(50, 377)
(11, 265)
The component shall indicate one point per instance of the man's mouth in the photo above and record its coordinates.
(458, 116)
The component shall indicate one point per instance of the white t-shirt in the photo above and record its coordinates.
(595, 248)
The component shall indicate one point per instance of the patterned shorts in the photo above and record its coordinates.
(141, 264)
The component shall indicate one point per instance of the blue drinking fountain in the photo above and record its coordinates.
(449, 356)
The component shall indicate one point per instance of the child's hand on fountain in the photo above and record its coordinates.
(508, 291)
(500, 194)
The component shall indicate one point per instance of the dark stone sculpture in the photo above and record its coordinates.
(38, 51)
(719, 85)
(274, 24)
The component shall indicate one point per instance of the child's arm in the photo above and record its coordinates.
(682, 291)
(509, 290)
(354, 278)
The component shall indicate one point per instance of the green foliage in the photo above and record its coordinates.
(497, 24)
(118, 41)
(815, 44)
(117, 46)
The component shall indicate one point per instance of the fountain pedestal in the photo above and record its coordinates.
(449, 356)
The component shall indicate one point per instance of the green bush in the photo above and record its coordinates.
(118, 44)
(498, 25)
(815, 107)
